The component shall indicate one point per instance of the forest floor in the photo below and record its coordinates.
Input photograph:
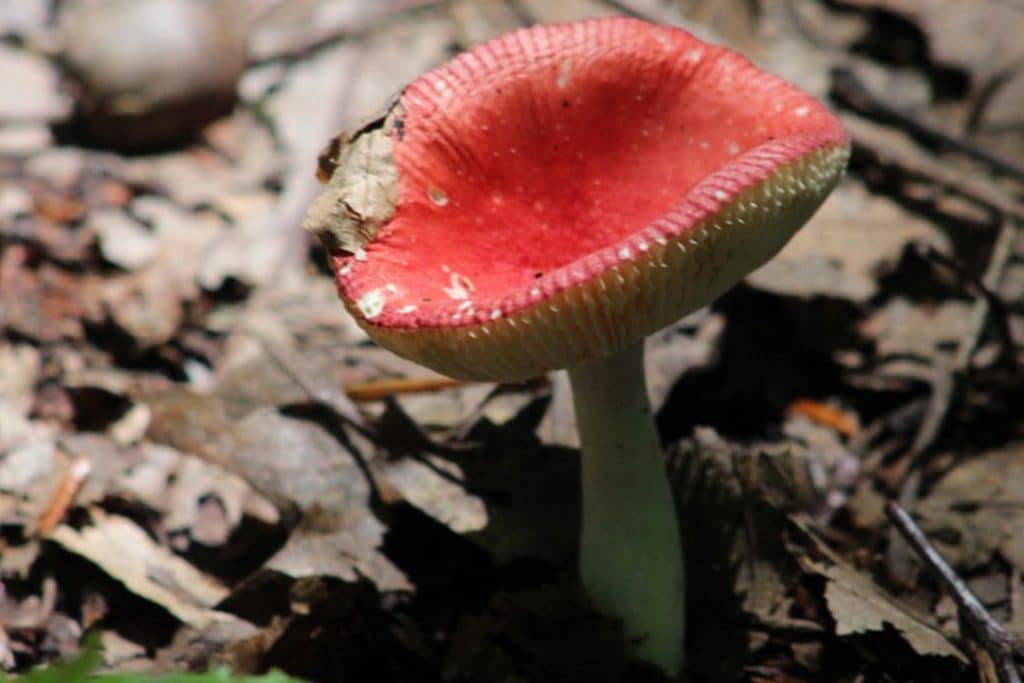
(204, 461)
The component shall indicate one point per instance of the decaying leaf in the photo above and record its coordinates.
(840, 251)
(128, 554)
(297, 462)
(437, 487)
(977, 510)
(362, 192)
(859, 605)
(19, 370)
(323, 545)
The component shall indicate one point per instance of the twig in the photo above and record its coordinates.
(792, 627)
(1002, 252)
(63, 495)
(342, 411)
(915, 165)
(996, 641)
(379, 389)
(950, 382)
(851, 92)
(366, 27)
(325, 394)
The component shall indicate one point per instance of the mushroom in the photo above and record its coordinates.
(152, 73)
(547, 200)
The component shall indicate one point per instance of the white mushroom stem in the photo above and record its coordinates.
(631, 559)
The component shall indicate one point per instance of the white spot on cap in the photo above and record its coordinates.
(694, 55)
(360, 254)
(495, 314)
(371, 304)
(405, 310)
(346, 268)
(391, 287)
(437, 196)
(802, 111)
(465, 304)
(460, 287)
(642, 245)
(625, 253)
(535, 292)
(721, 195)
(733, 148)
(564, 74)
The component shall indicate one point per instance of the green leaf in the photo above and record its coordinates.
(82, 668)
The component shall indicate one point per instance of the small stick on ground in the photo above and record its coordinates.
(854, 94)
(380, 389)
(63, 495)
(324, 393)
(985, 629)
(949, 382)
(342, 412)
(870, 144)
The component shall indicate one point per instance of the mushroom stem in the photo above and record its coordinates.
(631, 560)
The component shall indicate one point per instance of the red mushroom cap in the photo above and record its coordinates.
(562, 191)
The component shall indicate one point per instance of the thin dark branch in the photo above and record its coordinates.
(326, 393)
(849, 90)
(949, 382)
(871, 145)
(996, 641)
(367, 27)
(795, 629)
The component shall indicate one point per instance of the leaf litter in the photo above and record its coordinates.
(239, 509)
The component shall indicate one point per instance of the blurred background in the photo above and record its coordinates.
(203, 460)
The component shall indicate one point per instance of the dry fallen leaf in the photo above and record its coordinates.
(297, 462)
(127, 553)
(903, 328)
(980, 505)
(347, 549)
(19, 370)
(437, 487)
(848, 240)
(31, 89)
(859, 605)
